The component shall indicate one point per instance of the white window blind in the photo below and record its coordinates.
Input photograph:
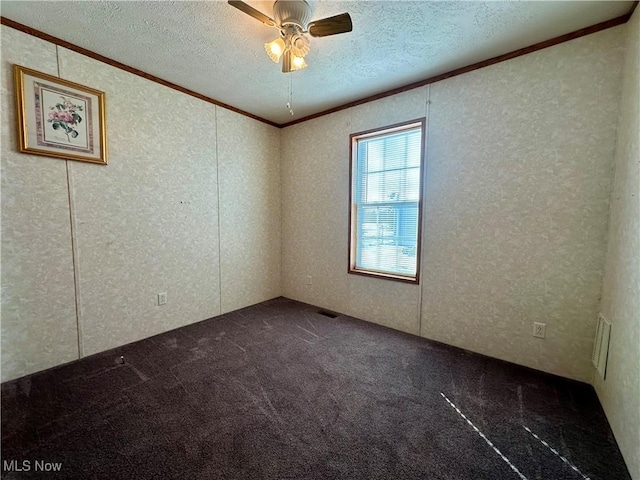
(385, 196)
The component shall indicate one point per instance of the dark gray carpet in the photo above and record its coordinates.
(278, 391)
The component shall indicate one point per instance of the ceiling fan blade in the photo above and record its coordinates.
(249, 10)
(331, 26)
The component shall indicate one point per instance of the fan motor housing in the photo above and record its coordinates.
(292, 12)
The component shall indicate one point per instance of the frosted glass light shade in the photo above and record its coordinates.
(300, 45)
(291, 63)
(275, 49)
(297, 63)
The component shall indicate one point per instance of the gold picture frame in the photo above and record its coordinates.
(58, 118)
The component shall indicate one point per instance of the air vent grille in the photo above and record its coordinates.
(601, 345)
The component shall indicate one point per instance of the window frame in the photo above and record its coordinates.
(419, 123)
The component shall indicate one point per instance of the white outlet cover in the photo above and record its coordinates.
(162, 298)
(539, 329)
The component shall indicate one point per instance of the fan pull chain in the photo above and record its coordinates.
(290, 96)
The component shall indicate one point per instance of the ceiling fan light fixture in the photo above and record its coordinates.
(297, 63)
(291, 18)
(275, 49)
(300, 45)
(291, 63)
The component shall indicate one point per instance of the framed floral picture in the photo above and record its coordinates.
(58, 118)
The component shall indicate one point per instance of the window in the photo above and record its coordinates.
(386, 192)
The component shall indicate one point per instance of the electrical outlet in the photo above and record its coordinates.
(539, 329)
(308, 279)
(162, 298)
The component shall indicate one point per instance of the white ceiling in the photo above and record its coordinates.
(216, 50)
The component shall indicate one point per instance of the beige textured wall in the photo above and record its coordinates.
(315, 172)
(38, 300)
(518, 181)
(315, 199)
(249, 210)
(147, 222)
(620, 392)
(519, 159)
(151, 221)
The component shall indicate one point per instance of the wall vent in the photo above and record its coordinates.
(601, 346)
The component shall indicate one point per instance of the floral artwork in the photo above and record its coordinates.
(65, 115)
(59, 118)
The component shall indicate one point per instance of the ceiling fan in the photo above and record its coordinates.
(291, 18)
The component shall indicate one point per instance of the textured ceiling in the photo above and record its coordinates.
(216, 50)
